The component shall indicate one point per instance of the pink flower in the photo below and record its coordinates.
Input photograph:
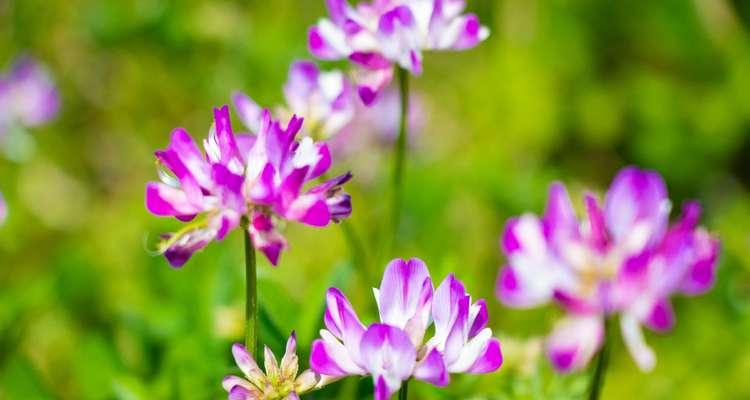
(259, 178)
(378, 34)
(324, 99)
(394, 350)
(623, 259)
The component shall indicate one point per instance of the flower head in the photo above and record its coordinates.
(376, 35)
(28, 96)
(393, 349)
(622, 259)
(259, 178)
(324, 99)
(279, 381)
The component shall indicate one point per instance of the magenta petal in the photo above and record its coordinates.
(480, 321)
(490, 360)
(240, 393)
(163, 200)
(574, 342)
(382, 391)
(323, 362)
(702, 273)
(635, 196)
(559, 217)
(388, 350)
(372, 61)
(316, 214)
(432, 369)
(661, 318)
(340, 317)
(405, 294)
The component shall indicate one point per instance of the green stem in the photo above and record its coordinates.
(400, 151)
(602, 360)
(359, 260)
(403, 393)
(251, 295)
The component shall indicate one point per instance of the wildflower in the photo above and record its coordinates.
(28, 96)
(257, 178)
(393, 349)
(324, 99)
(378, 34)
(623, 259)
(279, 381)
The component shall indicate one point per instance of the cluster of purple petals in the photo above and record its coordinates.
(261, 178)
(324, 98)
(624, 259)
(379, 34)
(394, 349)
(28, 96)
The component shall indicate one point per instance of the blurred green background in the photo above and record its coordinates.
(562, 90)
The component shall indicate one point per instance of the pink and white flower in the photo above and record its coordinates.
(323, 98)
(377, 34)
(393, 349)
(278, 382)
(622, 259)
(259, 178)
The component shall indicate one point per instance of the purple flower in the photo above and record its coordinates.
(28, 96)
(394, 350)
(258, 177)
(324, 99)
(623, 259)
(279, 381)
(375, 35)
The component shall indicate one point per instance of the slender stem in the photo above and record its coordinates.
(602, 360)
(357, 249)
(400, 151)
(251, 295)
(403, 393)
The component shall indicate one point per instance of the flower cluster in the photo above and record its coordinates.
(259, 178)
(280, 381)
(28, 97)
(394, 350)
(324, 99)
(623, 259)
(378, 34)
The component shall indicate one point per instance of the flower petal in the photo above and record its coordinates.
(574, 341)
(432, 369)
(636, 204)
(633, 337)
(405, 297)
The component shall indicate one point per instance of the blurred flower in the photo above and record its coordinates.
(377, 125)
(278, 382)
(260, 178)
(324, 99)
(375, 35)
(28, 98)
(3, 209)
(394, 349)
(623, 259)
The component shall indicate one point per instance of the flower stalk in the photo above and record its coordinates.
(400, 150)
(403, 393)
(251, 293)
(602, 361)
